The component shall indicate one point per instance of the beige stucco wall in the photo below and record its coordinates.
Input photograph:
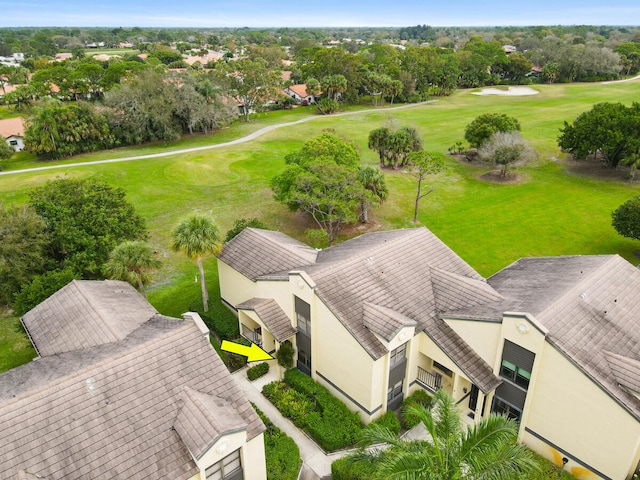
(482, 336)
(570, 411)
(252, 456)
(339, 357)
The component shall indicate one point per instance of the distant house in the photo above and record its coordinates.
(299, 94)
(13, 130)
(120, 391)
(509, 49)
(551, 342)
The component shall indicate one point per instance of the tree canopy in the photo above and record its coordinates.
(85, 219)
(132, 261)
(482, 127)
(626, 218)
(506, 149)
(321, 179)
(611, 130)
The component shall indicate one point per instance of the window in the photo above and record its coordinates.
(503, 408)
(229, 468)
(394, 391)
(398, 355)
(304, 324)
(304, 358)
(518, 375)
(303, 316)
(443, 369)
(13, 142)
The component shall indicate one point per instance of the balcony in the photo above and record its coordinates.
(253, 336)
(430, 380)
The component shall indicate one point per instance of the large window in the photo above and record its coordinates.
(397, 356)
(516, 374)
(303, 316)
(229, 468)
(503, 408)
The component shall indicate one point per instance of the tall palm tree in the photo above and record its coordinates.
(196, 236)
(132, 261)
(488, 450)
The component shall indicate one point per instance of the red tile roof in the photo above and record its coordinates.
(12, 127)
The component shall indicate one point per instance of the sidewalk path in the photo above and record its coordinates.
(247, 138)
(316, 464)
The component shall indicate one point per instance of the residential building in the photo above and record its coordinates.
(299, 94)
(13, 130)
(121, 391)
(551, 342)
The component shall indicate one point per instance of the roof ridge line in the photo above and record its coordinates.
(78, 373)
(468, 280)
(260, 231)
(86, 296)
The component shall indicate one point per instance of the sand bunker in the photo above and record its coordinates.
(511, 91)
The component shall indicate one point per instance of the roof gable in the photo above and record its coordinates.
(273, 317)
(203, 419)
(255, 252)
(383, 321)
(12, 127)
(84, 314)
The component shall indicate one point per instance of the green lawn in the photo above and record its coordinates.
(551, 212)
(15, 347)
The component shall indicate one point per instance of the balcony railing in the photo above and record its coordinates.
(430, 380)
(251, 335)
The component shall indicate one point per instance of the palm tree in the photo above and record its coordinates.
(196, 236)
(488, 450)
(132, 261)
(372, 179)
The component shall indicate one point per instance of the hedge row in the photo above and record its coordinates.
(344, 469)
(257, 371)
(282, 453)
(389, 420)
(224, 326)
(311, 407)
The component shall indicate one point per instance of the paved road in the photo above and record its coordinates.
(248, 138)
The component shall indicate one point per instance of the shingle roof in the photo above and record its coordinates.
(256, 252)
(625, 369)
(383, 321)
(399, 276)
(590, 305)
(203, 419)
(107, 412)
(84, 314)
(273, 317)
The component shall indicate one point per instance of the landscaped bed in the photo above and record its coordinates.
(312, 408)
(282, 453)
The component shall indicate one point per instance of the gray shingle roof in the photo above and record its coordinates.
(590, 305)
(256, 252)
(625, 369)
(203, 419)
(409, 272)
(84, 314)
(273, 317)
(107, 411)
(383, 321)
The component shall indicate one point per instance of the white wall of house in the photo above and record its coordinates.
(15, 142)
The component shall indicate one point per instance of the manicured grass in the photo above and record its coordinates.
(15, 347)
(551, 212)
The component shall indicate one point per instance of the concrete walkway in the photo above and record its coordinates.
(316, 464)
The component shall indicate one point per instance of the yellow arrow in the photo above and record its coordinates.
(253, 353)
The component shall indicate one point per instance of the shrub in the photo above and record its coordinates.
(506, 149)
(224, 326)
(327, 106)
(626, 218)
(41, 288)
(419, 397)
(389, 420)
(258, 371)
(284, 355)
(282, 453)
(344, 469)
(485, 125)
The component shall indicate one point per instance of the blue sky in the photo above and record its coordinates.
(330, 13)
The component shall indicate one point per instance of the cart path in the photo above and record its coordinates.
(247, 138)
